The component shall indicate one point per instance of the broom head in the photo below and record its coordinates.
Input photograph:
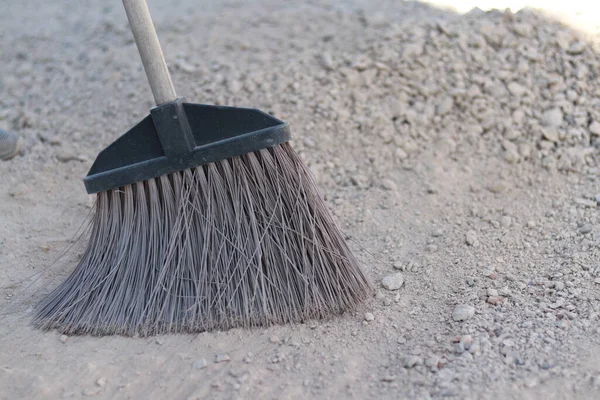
(205, 219)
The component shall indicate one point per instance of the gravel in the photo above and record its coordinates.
(200, 364)
(458, 149)
(463, 312)
(393, 282)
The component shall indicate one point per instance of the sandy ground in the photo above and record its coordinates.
(457, 150)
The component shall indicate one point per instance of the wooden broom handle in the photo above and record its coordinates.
(150, 51)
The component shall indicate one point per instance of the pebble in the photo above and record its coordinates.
(463, 312)
(63, 338)
(388, 184)
(219, 358)
(585, 229)
(516, 89)
(65, 156)
(412, 361)
(88, 392)
(431, 248)
(199, 364)
(393, 281)
(550, 134)
(369, 317)
(474, 348)
(497, 187)
(552, 117)
(326, 61)
(492, 292)
(505, 221)
(466, 341)
(595, 128)
(471, 238)
(496, 300)
(437, 233)
(101, 382)
(274, 339)
(445, 106)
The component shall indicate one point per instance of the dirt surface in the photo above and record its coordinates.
(459, 151)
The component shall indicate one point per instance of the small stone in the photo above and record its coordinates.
(199, 364)
(412, 361)
(308, 142)
(369, 317)
(91, 391)
(401, 154)
(531, 224)
(559, 286)
(552, 117)
(388, 184)
(63, 338)
(474, 348)
(101, 382)
(66, 155)
(585, 229)
(547, 364)
(516, 89)
(511, 156)
(274, 339)
(326, 62)
(466, 341)
(550, 134)
(523, 29)
(431, 248)
(437, 233)
(576, 48)
(497, 187)
(471, 238)
(445, 106)
(219, 358)
(496, 300)
(595, 128)
(505, 221)
(463, 312)
(393, 282)
(492, 292)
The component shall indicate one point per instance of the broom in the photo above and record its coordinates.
(205, 218)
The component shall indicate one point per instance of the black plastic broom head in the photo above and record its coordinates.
(205, 219)
(177, 136)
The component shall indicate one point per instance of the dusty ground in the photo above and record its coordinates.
(458, 150)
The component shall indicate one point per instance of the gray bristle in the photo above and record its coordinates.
(243, 242)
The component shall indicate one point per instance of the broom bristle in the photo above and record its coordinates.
(245, 241)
